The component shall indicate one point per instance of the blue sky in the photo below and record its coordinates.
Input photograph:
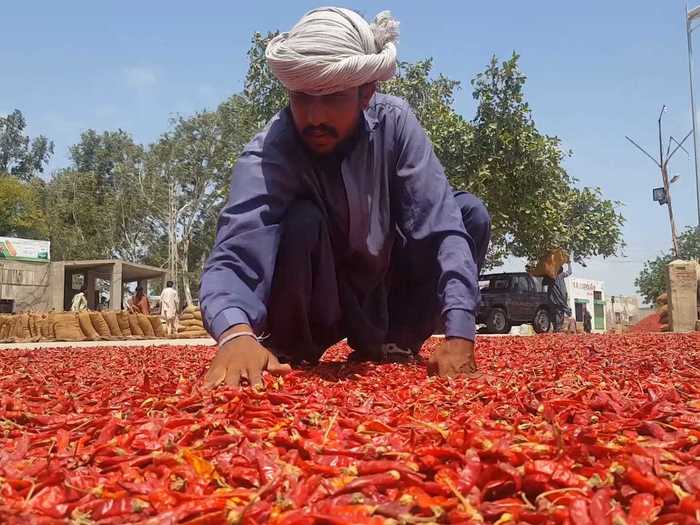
(597, 71)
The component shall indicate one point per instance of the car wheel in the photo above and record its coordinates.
(542, 321)
(497, 321)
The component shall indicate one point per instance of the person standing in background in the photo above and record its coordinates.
(558, 297)
(79, 303)
(587, 325)
(169, 302)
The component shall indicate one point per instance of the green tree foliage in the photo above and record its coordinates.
(263, 93)
(21, 156)
(432, 100)
(76, 226)
(651, 281)
(535, 205)
(21, 213)
(110, 168)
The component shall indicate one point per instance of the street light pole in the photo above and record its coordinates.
(689, 17)
(662, 163)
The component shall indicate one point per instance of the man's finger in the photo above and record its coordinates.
(276, 368)
(449, 371)
(281, 370)
(214, 377)
(254, 376)
(233, 376)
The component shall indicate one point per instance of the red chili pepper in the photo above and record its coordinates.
(384, 480)
(674, 518)
(643, 509)
(600, 507)
(641, 482)
(294, 517)
(578, 512)
(690, 505)
(381, 465)
(51, 501)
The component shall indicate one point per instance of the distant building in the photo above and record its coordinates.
(622, 311)
(30, 282)
(588, 294)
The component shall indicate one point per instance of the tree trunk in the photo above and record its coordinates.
(172, 234)
(184, 265)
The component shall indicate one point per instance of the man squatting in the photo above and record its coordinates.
(340, 220)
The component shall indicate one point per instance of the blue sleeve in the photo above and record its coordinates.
(238, 275)
(429, 213)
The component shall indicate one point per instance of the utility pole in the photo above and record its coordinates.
(662, 164)
(691, 16)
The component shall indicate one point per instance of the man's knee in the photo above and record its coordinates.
(477, 220)
(302, 223)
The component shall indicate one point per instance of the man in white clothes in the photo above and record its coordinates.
(168, 308)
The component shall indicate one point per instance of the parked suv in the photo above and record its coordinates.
(509, 299)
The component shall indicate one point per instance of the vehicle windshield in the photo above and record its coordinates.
(487, 283)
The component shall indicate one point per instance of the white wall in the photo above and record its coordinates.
(583, 289)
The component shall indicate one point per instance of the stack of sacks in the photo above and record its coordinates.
(550, 264)
(83, 326)
(4, 326)
(66, 326)
(24, 328)
(190, 325)
(124, 325)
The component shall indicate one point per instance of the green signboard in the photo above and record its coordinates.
(24, 250)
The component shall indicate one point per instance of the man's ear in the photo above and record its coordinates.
(367, 91)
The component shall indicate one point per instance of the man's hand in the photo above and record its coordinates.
(455, 356)
(242, 358)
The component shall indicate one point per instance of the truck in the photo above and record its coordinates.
(513, 298)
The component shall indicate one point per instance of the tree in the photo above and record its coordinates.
(21, 214)
(103, 154)
(535, 205)
(110, 165)
(651, 281)
(262, 91)
(189, 167)
(21, 156)
(76, 226)
(432, 101)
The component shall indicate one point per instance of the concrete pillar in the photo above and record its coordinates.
(116, 289)
(682, 286)
(90, 281)
(57, 285)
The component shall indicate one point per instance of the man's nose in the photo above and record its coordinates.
(316, 112)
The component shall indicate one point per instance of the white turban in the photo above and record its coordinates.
(332, 49)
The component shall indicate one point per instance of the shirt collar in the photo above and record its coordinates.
(370, 121)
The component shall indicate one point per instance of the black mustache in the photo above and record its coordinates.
(313, 130)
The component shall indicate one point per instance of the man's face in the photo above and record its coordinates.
(324, 121)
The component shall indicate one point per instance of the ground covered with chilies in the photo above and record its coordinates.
(556, 429)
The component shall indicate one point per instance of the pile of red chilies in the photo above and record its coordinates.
(601, 430)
